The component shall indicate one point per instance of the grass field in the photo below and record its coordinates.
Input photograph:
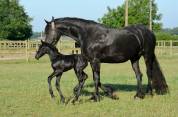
(24, 92)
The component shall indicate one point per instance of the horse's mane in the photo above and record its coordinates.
(78, 20)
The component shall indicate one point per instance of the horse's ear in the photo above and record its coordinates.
(46, 21)
(52, 19)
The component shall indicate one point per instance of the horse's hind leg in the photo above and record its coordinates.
(58, 78)
(136, 68)
(149, 63)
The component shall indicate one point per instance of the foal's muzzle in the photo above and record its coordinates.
(36, 57)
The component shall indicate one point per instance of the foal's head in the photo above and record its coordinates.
(43, 49)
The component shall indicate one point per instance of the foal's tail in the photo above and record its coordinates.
(158, 79)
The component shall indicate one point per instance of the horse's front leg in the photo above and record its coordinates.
(49, 84)
(58, 78)
(95, 65)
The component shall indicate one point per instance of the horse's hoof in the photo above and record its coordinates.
(149, 93)
(95, 98)
(114, 97)
(139, 95)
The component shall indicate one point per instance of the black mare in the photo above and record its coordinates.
(62, 63)
(100, 44)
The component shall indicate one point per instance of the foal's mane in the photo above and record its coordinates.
(53, 48)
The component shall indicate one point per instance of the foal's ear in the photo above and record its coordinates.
(42, 41)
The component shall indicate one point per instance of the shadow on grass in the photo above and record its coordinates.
(115, 87)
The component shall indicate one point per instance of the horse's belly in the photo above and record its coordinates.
(118, 59)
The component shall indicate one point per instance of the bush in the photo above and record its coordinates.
(166, 36)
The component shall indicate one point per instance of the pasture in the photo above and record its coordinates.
(24, 91)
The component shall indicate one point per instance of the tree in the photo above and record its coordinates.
(14, 21)
(36, 35)
(173, 31)
(138, 14)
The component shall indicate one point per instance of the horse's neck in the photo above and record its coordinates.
(53, 55)
(75, 32)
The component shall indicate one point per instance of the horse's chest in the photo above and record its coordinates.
(91, 49)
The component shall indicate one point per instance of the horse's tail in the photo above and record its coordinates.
(158, 78)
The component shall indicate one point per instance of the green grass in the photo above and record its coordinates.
(24, 92)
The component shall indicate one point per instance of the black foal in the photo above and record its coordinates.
(62, 63)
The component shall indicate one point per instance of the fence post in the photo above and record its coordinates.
(26, 50)
(171, 47)
(161, 47)
(36, 45)
(157, 47)
(164, 52)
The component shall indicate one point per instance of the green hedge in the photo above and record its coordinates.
(166, 36)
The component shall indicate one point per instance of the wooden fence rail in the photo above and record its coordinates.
(26, 49)
(169, 48)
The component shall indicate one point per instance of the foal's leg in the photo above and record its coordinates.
(95, 65)
(136, 68)
(58, 78)
(49, 83)
(82, 76)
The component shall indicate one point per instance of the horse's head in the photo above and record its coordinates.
(51, 33)
(42, 50)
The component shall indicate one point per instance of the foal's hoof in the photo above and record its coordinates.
(75, 89)
(73, 101)
(62, 100)
(53, 96)
(68, 100)
(139, 95)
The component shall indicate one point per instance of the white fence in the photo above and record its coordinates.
(168, 48)
(26, 49)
